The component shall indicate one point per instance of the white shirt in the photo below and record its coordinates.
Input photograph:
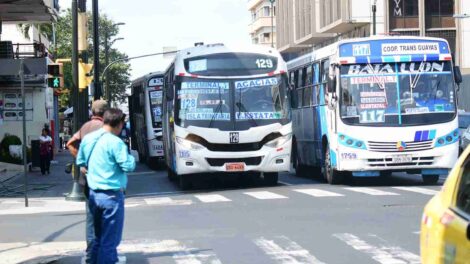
(44, 139)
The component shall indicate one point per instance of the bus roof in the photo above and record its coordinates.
(206, 49)
(333, 50)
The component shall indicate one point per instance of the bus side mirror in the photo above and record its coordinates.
(468, 232)
(331, 84)
(457, 75)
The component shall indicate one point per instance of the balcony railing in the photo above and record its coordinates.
(8, 50)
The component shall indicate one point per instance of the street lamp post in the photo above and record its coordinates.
(272, 22)
(374, 18)
(106, 58)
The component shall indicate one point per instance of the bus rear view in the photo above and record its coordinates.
(227, 111)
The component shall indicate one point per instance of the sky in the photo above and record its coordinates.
(154, 24)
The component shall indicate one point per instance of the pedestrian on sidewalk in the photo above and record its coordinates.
(98, 108)
(104, 158)
(45, 149)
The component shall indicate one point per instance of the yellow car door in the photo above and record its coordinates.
(456, 220)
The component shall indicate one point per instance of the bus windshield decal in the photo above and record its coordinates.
(205, 116)
(204, 85)
(258, 115)
(388, 68)
(256, 83)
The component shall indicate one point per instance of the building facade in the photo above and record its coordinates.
(307, 24)
(262, 28)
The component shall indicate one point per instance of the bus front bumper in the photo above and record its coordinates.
(267, 159)
(368, 163)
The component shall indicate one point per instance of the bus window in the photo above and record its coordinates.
(291, 80)
(309, 75)
(307, 96)
(325, 65)
(304, 77)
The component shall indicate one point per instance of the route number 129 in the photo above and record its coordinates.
(264, 63)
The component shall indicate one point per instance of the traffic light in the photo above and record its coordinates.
(84, 75)
(55, 77)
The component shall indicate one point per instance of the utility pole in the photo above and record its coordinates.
(76, 193)
(96, 52)
(374, 18)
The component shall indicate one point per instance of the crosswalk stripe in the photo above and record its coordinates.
(384, 255)
(289, 253)
(166, 201)
(318, 192)
(212, 198)
(265, 195)
(370, 191)
(417, 190)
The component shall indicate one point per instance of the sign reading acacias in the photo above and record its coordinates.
(256, 83)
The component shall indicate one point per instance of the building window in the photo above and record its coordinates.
(266, 37)
(266, 11)
(439, 14)
(403, 14)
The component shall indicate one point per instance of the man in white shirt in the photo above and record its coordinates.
(45, 151)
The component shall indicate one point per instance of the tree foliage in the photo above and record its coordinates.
(119, 74)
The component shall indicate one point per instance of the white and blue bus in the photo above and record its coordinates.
(145, 116)
(226, 110)
(372, 106)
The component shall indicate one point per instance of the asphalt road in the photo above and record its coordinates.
(299, 221)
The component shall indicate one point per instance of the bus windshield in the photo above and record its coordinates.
(395, 94)
(232, 104)
(156, 98)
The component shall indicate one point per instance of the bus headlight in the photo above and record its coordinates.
(188, 144)
(279, 141)
(351, 142)
(450, 138)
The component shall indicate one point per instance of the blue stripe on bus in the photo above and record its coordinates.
(425, 135)
(432, 134)
(394, 74)
(418, 136)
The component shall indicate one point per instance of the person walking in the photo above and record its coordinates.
(104, 158)
(98, 108)
(45, 148)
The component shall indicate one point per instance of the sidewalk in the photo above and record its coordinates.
(49, 186)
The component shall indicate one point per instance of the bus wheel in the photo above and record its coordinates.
(184, 182)
(171, 175)
(430, 179)
(271, 178)
(331, 175)
(299, 168)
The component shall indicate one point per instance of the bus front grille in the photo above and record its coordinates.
(392, 146)
(218, 162)
(388, 162)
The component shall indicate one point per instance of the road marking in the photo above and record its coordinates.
(289, 253)
(384, 255)
(166, 201)
(285, 183)
(45, 252)
(370, 191)
(318, 192)
(212, 198)
(417, 190)
(265, 195)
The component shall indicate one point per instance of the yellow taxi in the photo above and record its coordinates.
(445, 228)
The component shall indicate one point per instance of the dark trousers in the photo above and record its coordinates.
(107, 208)
(89, 231)
(45, 163)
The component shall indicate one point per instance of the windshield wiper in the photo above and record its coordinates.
(217, 110)
(242, 107)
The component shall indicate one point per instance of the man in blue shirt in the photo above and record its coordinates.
(104, 158)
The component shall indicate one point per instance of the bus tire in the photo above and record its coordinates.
(171, 175)
(184, 182)
(300, 169)
(430, 179)
(331, 175)
(271, 178)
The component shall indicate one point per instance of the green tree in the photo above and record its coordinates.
(119, 74)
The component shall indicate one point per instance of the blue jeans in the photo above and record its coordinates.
(107, 208)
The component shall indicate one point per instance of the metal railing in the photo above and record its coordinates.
(8, 50)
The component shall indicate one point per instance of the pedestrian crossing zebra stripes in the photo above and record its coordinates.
(277, 249)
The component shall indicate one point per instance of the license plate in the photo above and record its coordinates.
(235, 167)
(402, 159)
